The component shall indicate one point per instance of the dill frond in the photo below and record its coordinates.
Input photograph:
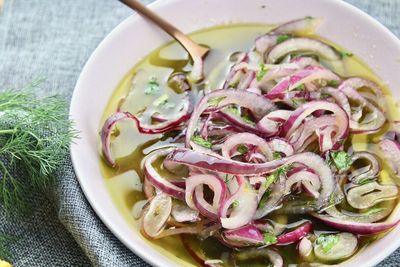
(35, 134)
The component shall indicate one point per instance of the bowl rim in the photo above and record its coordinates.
(141, 252)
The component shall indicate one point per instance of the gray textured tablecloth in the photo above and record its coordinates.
(53, 39)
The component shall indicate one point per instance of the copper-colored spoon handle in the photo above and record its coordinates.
(191, 47)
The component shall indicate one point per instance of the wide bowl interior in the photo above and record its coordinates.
(135, 38)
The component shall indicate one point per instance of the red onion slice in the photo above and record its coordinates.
(306, 178)
(194, 194)
(359, 83)
(247, 235)
(155, 218)
(345, 247)
(256, 103)
(367, 195)
(305, 248)
(359, 217)
(355, 227)
(307, 109)
(220, 164)
(157, 180)
(305, 25)
(391, 152)
(244, 203)
(282, 146)
(302, 44)
(306, 75)
(182, 213)
(245, 138)
(295, 235)
(106, 134)
(376, 116)
(371, 171)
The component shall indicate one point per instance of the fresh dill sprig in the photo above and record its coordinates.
(5, 242)
(35, 134)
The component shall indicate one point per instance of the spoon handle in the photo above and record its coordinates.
(191, 47)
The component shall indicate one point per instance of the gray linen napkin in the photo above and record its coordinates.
(53, 39)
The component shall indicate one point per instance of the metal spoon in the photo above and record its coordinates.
(195, 50)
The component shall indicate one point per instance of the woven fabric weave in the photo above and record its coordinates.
(53, 39)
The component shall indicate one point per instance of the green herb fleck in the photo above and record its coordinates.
(298, 102)
(309, 17)
(261, 72)
(201, 141)
(153, 87)
(269, 239)
(283, 38)
(166, 104)
(248, 120)
(235, 203)
(341, 159)
(325, 96)
(242, 149)
(301, 87)
(332, 83)
(327, 241)
(215, 101)
(234, 110)
(344, 54)
(276, 155)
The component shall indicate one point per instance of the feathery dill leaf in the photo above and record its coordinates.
(35, 134)
(5, 241)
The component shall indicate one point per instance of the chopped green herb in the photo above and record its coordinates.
(324, 96)
(248, 120)
(283, 38)
(215, 101)
(166, 104)
(298, 102)
(309, 17)
(264, 199)
(327, 241)
(234, 110)
(152, 87)
(301, 87)
(269, 239)
(341, 159)
(332, 83)
(344, 54)
(261, 72)
(201, 141)
(242, 149)
(276, 155)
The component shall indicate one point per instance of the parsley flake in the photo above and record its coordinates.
(261, 72)
(201, 141)
(332, 83)
(341, 160)
(283, 38)
(270, 239)
(153, 87)
(242, 149)
(327, 241)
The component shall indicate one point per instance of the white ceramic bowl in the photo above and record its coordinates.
(135, 38)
